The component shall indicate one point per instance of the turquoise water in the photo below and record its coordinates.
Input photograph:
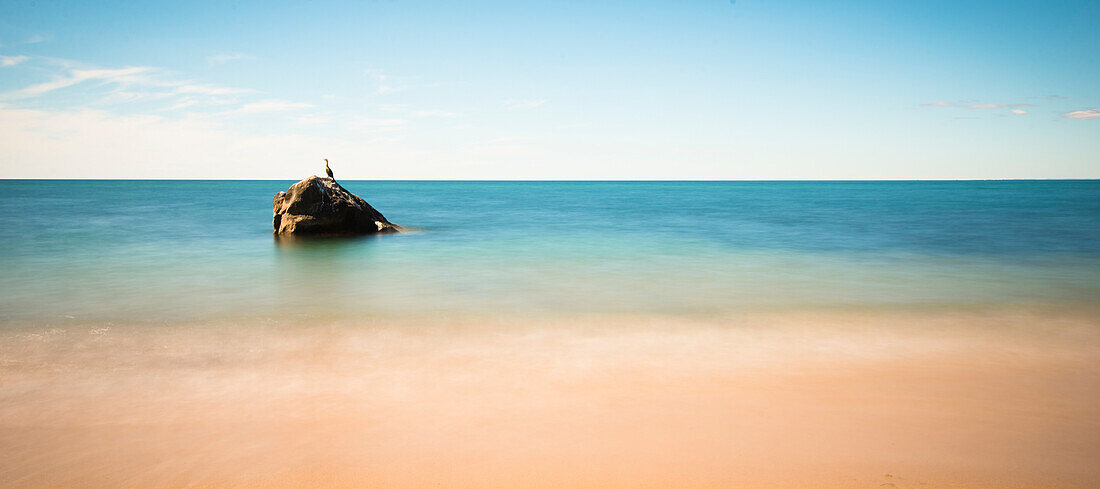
(203, 250)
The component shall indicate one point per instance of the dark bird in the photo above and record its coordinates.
(329, 170)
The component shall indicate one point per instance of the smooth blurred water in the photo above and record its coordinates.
(203, 250)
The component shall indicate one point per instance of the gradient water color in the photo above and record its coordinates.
(203, 250)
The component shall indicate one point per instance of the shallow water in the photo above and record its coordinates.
(202, 250)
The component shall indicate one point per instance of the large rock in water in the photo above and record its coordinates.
(320, 206)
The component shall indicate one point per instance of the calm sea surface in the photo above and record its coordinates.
(203, 250)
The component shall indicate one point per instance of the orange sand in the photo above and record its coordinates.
(830, 400)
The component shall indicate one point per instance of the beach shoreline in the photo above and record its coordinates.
(994, 397)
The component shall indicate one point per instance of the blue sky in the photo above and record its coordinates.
(752, 89)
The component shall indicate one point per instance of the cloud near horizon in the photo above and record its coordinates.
(44, 144)
(1083, 114)
(265, 106)
(210, 90)
(434, 113)
(974, 106)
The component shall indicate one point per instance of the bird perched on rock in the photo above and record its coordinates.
(329, 170)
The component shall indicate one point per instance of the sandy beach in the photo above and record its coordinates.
(836, 399)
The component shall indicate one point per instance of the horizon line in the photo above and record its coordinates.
(564, 180)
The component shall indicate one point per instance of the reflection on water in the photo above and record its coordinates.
(321, 276)
(292, 242)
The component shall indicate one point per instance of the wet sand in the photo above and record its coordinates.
(832, 399)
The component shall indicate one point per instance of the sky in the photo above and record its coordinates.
(683, 90)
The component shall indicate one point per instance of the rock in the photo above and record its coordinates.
(320, 206)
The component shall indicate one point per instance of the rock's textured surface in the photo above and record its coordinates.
(320, 206)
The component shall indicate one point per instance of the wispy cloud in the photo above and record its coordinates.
(37, 38)
(374, 125)
(12, 60)
(130, 84)
(121, 75)
(85, 143)
(393, 107)
(183, 104)
(265, 106)
(973, 106)
(384, 83)
(163, 95)
(310, 119)
(209, 90)
(434, 113)
(1083, 114)
(507, 140)
(524, 104)
(368, 122)
(220, 59)
(33, 39)
(1012, 108)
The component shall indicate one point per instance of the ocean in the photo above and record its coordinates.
(164, 251)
